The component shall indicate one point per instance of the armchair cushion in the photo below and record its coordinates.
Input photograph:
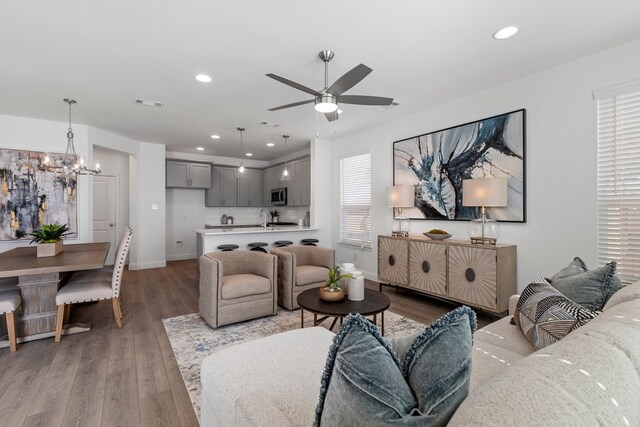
(307, 274)
(242, 285)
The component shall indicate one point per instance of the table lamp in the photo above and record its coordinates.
(484, 193)
(400, 196)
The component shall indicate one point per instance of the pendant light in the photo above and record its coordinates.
(71, 163)
(241, 169)
(286, 176)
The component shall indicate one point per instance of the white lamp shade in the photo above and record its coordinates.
(401, 196)
(489, 192)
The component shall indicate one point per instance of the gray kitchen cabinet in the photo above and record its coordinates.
(298, 193)
(268, 185)
(223, 189)
(181, 174)
(305, 187)
(250, 188)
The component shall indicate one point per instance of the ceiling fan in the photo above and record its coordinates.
(327, 99)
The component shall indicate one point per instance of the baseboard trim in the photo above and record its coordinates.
(180, 257)
(147, 265)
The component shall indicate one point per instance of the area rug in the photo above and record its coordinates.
(192, 339)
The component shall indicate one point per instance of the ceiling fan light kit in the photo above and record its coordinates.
(327, 99)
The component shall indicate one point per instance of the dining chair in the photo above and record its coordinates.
(95, 285)
(9, 302)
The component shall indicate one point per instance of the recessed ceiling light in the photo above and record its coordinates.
(200, 148)
(215, 136)
(270, 144)
(505, 33)
(339, 111)
(249, 154)
(203, 78)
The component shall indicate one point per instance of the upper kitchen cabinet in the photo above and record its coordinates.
(250, 188)
(299, 188)
(223, 189)
(181, 174)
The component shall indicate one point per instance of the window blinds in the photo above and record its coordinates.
(619, 181)
(355, 200)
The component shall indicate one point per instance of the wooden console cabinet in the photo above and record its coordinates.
(479, 276)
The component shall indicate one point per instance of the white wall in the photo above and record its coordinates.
(560, 159)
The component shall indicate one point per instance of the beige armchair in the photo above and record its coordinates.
(301, 268)
(237, 286)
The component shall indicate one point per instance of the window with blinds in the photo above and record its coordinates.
(355, 200)
(619, 179)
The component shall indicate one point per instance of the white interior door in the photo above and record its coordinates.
(104, 212)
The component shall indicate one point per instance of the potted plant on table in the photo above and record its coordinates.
(49, 239)
(274, 215)
(332, 291)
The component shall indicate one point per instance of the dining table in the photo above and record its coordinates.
(39, 279)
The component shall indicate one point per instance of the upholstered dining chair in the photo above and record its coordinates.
(9, 302)
(95, 285)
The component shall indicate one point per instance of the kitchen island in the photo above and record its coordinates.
(208, 240)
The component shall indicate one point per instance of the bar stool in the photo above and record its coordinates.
(282, 243)
(309, 242)
(258, 246)
(227, 248)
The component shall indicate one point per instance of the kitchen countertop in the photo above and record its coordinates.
(252, 230)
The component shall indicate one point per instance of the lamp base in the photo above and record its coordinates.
(483, 241)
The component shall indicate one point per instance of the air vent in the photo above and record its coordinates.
(270, 124)
(148, 103)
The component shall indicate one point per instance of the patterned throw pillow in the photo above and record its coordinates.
(591, 289)
(364, 382)
(546, 316)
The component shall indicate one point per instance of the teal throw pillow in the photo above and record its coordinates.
(591, 289)
(365, 383)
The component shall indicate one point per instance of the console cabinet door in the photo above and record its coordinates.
(428, 267)
(393, 257)
(473, 275)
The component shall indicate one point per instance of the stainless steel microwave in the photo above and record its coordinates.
(279, 196)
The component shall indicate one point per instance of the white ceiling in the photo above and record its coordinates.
(422, 52)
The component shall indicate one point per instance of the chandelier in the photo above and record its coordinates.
(71, 163)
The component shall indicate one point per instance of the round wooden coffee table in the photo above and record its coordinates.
(374, 303)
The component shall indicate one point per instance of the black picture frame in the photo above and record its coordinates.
(437, 162)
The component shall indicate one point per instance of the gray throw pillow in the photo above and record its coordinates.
(591, 289)
(365, 383)
(546, 316)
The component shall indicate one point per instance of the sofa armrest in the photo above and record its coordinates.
(513, 300)
(211, 272)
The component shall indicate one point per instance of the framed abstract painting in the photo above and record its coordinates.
(30, 197)
(436, 163)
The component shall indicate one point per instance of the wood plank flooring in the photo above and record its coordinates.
(129, 376)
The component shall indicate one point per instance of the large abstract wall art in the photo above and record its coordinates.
(437, 163)
(30, 197)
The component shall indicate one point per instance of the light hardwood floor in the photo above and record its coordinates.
(129, 376)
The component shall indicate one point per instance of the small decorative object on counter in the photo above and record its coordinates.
(229, 220)
(300, 223)
(356, 286)
(348, 269)
(274, 215)
(331, 291)
(49, 239)
(307, 219)
(436, 234)
(223, 219)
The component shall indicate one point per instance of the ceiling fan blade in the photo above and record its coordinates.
(364, 100)
(349, 80)
(295, 104)
(293, 84)
(331, 116)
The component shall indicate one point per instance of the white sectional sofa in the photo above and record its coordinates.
(591, 377)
